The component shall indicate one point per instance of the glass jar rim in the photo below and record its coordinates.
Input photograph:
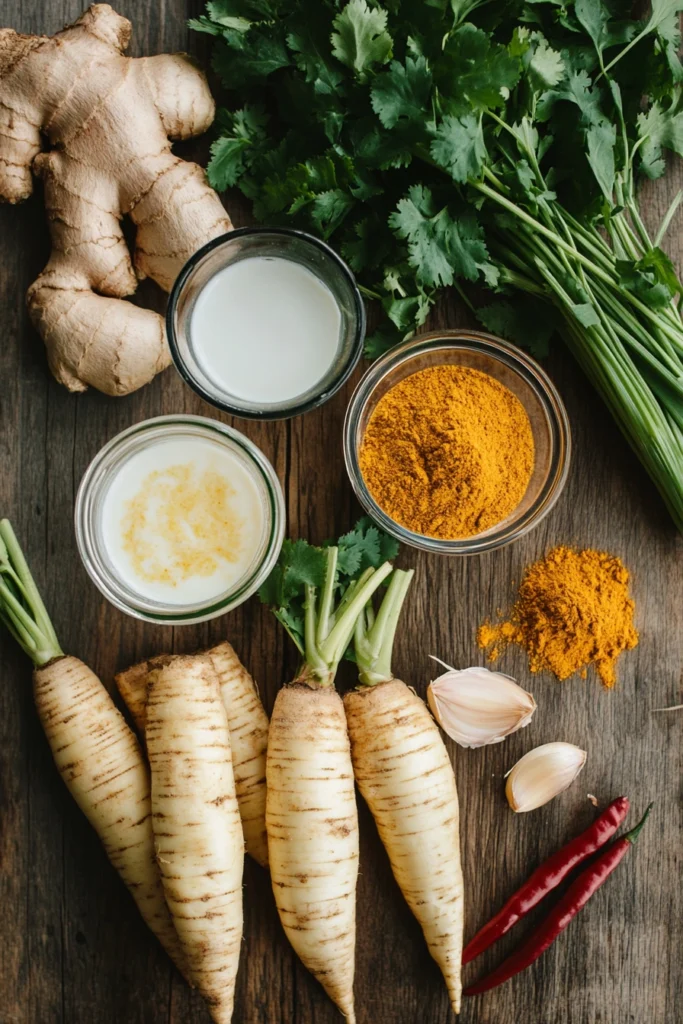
(296, 408)
(89, 549)
(533, 375)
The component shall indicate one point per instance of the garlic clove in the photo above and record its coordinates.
(475, 706)
(542, 774)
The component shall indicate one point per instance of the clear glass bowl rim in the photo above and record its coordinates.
(533, 374)
(296, 408)
(86, 544)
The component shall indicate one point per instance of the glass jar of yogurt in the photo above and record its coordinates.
(179, 519)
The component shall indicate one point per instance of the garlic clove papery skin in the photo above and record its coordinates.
(542, 774)
(475, 706)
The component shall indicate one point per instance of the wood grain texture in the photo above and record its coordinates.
(72, 949)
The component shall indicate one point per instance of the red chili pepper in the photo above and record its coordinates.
(576, 897)
(548, 875)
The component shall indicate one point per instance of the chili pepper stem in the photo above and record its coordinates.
(632, 836)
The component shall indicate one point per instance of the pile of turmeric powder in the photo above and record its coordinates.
(448, 452)
(573, 610)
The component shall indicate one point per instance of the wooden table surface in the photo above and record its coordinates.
(72, 948)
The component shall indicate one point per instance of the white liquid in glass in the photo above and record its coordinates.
(182, 521)
(265, 329)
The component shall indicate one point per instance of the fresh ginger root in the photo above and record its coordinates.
(107, 120)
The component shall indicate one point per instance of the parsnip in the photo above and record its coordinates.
(197, 830)
(404, 773)
(134, 684)
(96, 753)
(248, 723)
(311, 813)
(312, 822)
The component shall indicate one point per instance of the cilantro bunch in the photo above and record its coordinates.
(320, 594)
(490, 142)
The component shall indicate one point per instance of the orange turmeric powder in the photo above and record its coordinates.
(573, 610)
(448, 452)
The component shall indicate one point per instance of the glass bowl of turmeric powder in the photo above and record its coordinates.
(457, 442)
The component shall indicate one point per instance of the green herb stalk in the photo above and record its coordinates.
(319, 593)
(463, 142)
(21, 607)
(374, 633)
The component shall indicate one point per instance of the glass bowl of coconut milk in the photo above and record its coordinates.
(179, 519)
(265, 323)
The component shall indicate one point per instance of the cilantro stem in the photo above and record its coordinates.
(674, 333)
(369, 292)
(540, 228)
(668, 217)
(629, 46)
(525, 284)
(463, 295)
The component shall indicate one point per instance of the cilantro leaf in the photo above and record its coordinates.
(381, 340)
(652, 278)
(585, 313)
(459, 146)
(388, 546)
(660, 129)
(299, 564)
(407, 311)
(365, 547)
(359, 249)
(329, 209)
(224, 11)
(594, 17)
(244, 129)
(309, 39)
(484, 70)
(256, 53)
(440, 247)
(601, 139)
(662, 12)
(361, 39)
(303, 564)
(578, 90)
(204, 24)
(227, 161)
(237, 15)
(403, 92)
(669, 32)
(546, 67)
(378, 149)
